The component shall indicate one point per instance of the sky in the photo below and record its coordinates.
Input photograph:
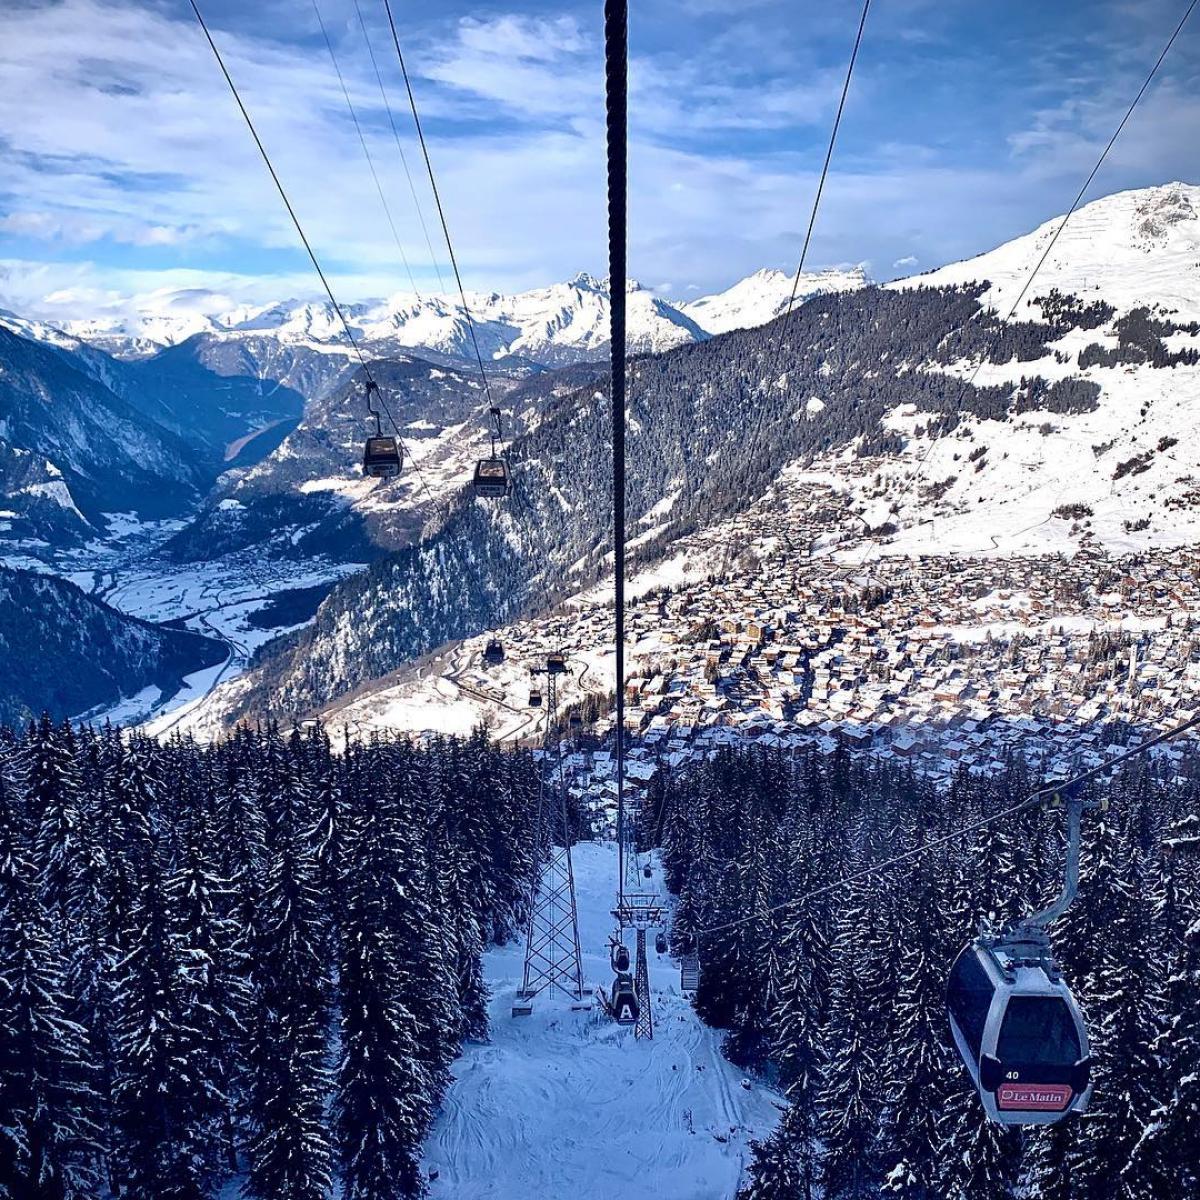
(128, 181)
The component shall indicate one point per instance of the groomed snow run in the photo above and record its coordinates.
(566, 1105)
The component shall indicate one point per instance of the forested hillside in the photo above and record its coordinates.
(66, 652)
(249, 963)
(842, 996)
(705, 436)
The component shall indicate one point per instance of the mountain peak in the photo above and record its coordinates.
(761, 297)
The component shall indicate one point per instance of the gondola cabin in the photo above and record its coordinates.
(381, 458)
(556, 662)
(535, 698)
(491, 477)
(1020, 1034)
(660, 943)
(493, 653)
(619, 958)
(624, 1005)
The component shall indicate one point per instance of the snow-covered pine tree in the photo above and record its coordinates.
(850, 1101)
(289, 1147)
(1127, 1018)
(978, 1159)
(757, 873)
(48, 1142)
(785, 1164)
(1048, 1159)
(215, 991)
(1169, 1151)
(159, 1106)
(381, 1105)
(919, 1066)
(53, 790)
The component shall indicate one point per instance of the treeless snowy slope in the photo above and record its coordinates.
(1130, 248)
(568, 1106)
(763, 296)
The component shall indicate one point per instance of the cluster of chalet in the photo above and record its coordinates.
(940, 661)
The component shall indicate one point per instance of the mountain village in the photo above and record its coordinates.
(821, 639)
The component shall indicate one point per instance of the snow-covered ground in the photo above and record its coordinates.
(1131, 248)
(566, 1105)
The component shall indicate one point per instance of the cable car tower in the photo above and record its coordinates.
(639, 907)
(552, 956)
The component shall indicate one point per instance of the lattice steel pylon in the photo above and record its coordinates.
(553, 960)
(644, 1026)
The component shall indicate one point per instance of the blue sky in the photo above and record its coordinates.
(127, 180)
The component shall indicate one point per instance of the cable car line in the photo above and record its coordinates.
(616, 52)
(812, 217)
(1034, 798)
(969, 382)
(437, 198)
(494, 468)
(337, 308)
(775, 355)
(362, 141)
(399, 147)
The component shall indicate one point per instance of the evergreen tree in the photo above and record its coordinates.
(978, 1159)
(158, 1095)
(850, 1102)
(289, 1149)
(1127, 1018)
(919, 1063)
(784, 1166)
(381, 1107)
(52, 783)
(47, 1138)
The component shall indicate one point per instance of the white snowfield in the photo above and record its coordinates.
(566, 1105)
(1131, 248)
(763, 296)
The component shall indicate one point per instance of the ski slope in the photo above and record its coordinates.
(563, 1105)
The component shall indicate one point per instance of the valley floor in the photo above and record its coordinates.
(566, 1104)
(217, 599)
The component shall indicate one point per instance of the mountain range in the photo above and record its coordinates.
(163, 406)
(917, 401)
(547, 326)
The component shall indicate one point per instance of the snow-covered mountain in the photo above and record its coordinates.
(763, 296)
(1120, 295)
(551, 326)
(1130, 248)
(877, 401)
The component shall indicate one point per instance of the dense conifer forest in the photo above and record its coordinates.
(251, 965)
(249, 962)
(841, 998)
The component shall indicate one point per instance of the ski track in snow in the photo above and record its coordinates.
(567, 1104)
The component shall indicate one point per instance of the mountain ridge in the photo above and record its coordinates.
(553, 325)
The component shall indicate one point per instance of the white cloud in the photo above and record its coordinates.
(119, 144)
